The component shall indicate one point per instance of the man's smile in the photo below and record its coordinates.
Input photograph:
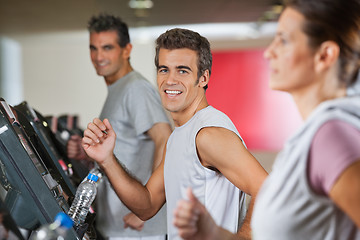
(173, 92)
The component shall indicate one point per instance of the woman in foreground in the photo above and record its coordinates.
(313, 191)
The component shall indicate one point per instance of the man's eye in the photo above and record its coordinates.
(182, 71)
(163, 70)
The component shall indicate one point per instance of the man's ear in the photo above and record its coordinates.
(326, 56)
(204, 79)
(127, 51)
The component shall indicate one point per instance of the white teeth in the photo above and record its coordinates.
(102, 64)
(172, 92)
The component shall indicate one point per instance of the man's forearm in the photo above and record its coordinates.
(130, 191)
(245, 230)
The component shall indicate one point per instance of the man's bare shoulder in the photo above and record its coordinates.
(215, 135)
(213, 142)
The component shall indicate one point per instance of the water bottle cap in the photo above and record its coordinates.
(92, 177)
(64, 219)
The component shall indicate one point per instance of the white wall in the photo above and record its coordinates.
(58, 75)
(59, 78)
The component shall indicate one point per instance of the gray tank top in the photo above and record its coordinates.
(286, 208)
(183, 169)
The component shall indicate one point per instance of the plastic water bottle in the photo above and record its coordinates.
(85, 195)
(56, 230)
(96, 171)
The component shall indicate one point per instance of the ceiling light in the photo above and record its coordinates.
(272, 14)
(141, 4)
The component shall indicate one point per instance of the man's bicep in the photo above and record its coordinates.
(223, 149)
(156, 187)
(159, 132)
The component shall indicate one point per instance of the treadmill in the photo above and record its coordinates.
(31, 194)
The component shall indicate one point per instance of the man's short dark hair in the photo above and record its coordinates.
(178, 38)
(105, 22)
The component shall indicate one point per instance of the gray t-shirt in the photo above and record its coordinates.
(132, 106)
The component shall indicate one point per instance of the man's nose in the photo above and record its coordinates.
(171, 78)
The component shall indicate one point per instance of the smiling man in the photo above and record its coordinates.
(134, 109)
(204, 152)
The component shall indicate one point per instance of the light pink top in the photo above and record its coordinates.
(334, 148)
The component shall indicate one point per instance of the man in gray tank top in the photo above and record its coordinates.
(205, 152)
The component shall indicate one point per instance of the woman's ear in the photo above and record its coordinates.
(326, 56)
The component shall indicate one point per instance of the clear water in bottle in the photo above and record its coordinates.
(56, 230)
(85, 195)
